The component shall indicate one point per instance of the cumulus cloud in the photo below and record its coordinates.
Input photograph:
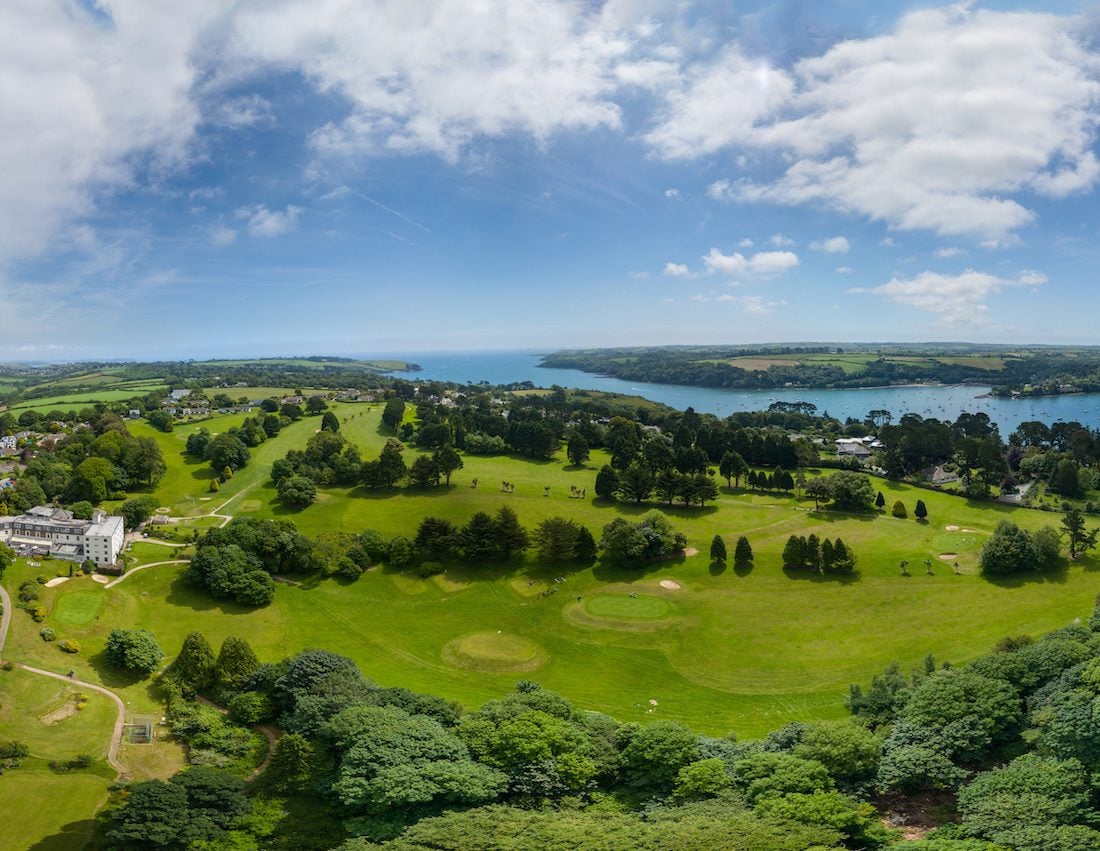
(760, 263)
(931, 126)
(88, 104)
(745, 243)
(677, 270)
(780, 241)
(718, 104)
(844, 270)
(266, 223)
(832, 245)
(947, 252)
(956, 299)
(437, 76)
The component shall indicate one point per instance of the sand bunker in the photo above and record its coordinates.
(57, 580)
(670, 584)
(971, 531)
(948, 556)
(102, 580)
(67, 711)
(690, 551)
(951, 528)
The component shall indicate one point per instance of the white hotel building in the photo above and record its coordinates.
(46, 529)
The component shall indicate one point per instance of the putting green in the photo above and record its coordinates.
(494, 652)
(640, 607)
(77, 607)
(955, 542)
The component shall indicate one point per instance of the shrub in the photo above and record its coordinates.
(430, 568)
(38, 613)
(920, 510)
(899, 509)
(69, 646)
(47, 634)
(250, 707)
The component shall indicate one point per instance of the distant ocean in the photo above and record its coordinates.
(944, 403)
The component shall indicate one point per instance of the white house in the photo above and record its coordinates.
(46, 529)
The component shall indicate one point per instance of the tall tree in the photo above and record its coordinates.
(1078, 540)
(512, 536)
(607, 482)
(447, 460)
(742, 553)
(636, 483)
(718, 550)
(577, 450)
(732, 467)
(393, 413)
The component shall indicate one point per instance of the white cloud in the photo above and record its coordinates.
(718, 105)
(760, 263)
(88, 106)
(266, 223)
(746, 243)
(932, 126)
(947, 252)
(243, 111)
(699, 297)
(438, 76)
(832, 245)
(956, 299)
(780, 241)
(887, 242)
(677, 270)
(844, 270)
(223, 236)
(672, 193)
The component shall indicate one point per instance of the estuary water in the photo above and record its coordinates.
(941, 402)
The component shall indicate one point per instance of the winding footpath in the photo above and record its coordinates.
(120, 718)
(271, 734)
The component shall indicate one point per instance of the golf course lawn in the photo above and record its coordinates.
(721, 649)
(36, 800)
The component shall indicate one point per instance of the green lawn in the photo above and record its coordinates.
(42, 806)
(727, 650)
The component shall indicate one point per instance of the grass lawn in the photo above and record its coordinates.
(727, 649)
(39, 802)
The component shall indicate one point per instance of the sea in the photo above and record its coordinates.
(943, 402)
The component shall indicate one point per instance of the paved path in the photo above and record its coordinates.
(120, 720)
(142, 567)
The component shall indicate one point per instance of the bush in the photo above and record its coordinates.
(38, 613)
(899, 509)
(430, 568)
(250, 707)
(47, 634)
(69, 646)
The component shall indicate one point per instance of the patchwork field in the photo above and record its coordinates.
(855, 363)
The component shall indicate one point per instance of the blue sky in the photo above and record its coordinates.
(344, 176)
